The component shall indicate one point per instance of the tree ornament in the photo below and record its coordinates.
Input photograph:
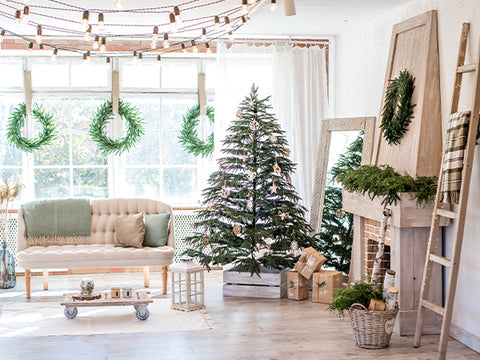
(244, 157)
(254, 125)
(398, 110)
(251, 103)
(251, 175)
(210, 207)
(286, 151)
(273, 188)
(205, 240)
(340, 213)
(273, 138)
(225, 193)
(17, 120)
(188, 137)
(135, 127)
(250, 204)
(276, 168)
(282, 214)
(239, 113)
(237, 229)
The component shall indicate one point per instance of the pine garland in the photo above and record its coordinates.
(398, 110)
(16, 122)
(188, 137)
(133, 119)
(385, 182)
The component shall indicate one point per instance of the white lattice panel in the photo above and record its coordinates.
(12, 234)
(183, 221)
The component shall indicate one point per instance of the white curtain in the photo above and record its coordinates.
(300, 99)
(297, 80)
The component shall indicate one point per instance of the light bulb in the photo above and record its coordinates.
(135, 58)
(96, 42)
(173, 24)
(159, 58)
(194, 47)
(230, 36)
(184, 49)
(2, 35)
(155, 32)
(244, 7)
(17, 20)
(178, 18)
(38, 37)
(109, 60)
(88, 34)
(153, 44)
(85, 58)
(244, 19)
(101, 23)
(30, 48)
(273, 5)
(217, 23)
(103, 45)
(166, 43)
(207, 46)
(119, 4)
(140, 57)
(251, 2)
(54, 54)
(26, 11)
(40, 46)
(204, 35)
(227, 24)
(84, 24)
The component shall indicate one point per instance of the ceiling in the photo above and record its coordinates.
(314, 18)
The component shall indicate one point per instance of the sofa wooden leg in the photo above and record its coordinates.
(164, 278)
(45, 279)
(146, 276)
(27, 282)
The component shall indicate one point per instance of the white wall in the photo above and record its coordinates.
(360, 65)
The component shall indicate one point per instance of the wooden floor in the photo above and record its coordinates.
(247, 329)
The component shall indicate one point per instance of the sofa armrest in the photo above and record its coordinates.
(21, 231)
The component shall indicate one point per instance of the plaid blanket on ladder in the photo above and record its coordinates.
(457, 132)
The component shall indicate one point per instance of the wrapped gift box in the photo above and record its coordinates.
(297, 286)
(324, 282)
(309, 262)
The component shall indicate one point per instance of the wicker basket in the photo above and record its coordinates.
(372, 329)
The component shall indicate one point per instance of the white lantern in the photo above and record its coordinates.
(187, 286)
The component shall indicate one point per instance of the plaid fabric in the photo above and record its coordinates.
(457, 132)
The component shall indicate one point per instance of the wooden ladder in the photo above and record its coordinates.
(458, 215)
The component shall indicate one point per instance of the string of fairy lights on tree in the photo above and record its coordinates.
(81, 23)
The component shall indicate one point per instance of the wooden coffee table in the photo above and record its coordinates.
(139, 300)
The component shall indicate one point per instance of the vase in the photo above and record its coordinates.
(8, 279)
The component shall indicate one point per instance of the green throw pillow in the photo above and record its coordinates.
(156, 230)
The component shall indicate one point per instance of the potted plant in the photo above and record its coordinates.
(371, 329)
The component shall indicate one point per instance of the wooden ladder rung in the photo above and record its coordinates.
(466, 68)
(447, 213)
(441, 260)
(433, 307)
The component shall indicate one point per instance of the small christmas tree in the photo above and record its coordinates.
(253, 217)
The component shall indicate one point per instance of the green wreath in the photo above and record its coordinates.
(188, 137)
(398, 110)
(133, 119)
(16, 122)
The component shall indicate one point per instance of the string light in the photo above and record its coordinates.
(244, 7)
(54, 54)
(2, 35)
(88, 34)
(119, 4)
(251, 2)
(159, 58)
(103, 45)
(96, 42)
(230, 36)
(38, 37)
(166, 43)
(227, 24)
(140, 57)
(108, 61)
(41, 46)
(204, 35)
(194, 46)
(85, 58)
(184, 49)
(273, 5)
(101, 23)
(30, 48)
(26, 11)
(217, 23)
(178, 18)
(135, 56)
(173, 23)
(244, 19)
(153, 45)
(84, 24)
(17, 20)
(207, 46)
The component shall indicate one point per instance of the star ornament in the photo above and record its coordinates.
(273, 189)
(282, 214)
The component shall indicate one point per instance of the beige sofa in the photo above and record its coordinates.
(100, 252)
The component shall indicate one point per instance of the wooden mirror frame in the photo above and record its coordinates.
(367, 124)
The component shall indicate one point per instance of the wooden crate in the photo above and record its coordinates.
(271, 284)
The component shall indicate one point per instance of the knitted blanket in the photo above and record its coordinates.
(457, 131)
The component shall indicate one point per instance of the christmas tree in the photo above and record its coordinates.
(336, 235)
(253, 217)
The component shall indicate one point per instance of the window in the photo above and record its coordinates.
(73, 165)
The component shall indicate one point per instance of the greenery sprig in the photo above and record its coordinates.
(16, 122)
(133, 119)
(398, 110)
(385, 182)
(188, 137)
(361, 292)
